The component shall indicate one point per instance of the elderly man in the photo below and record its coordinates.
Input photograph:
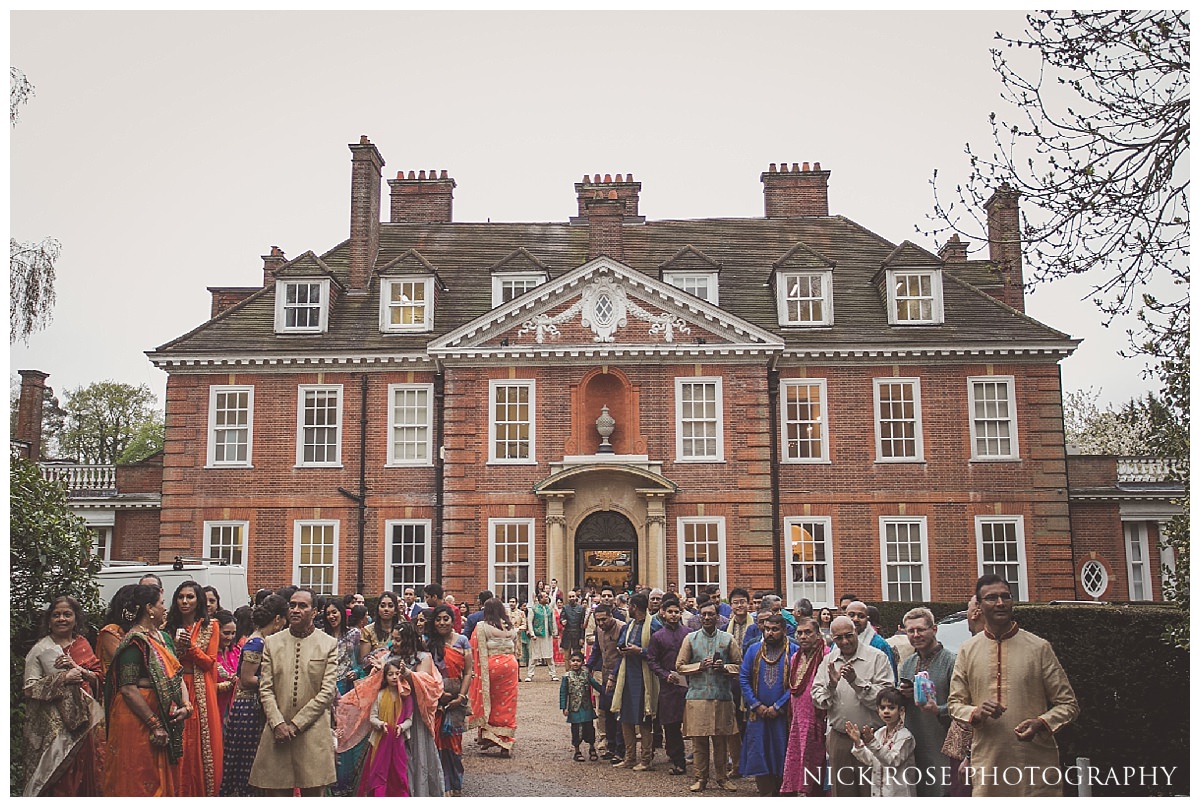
(771, 604)
(763, 680)
(709, 658)
(297, 684)
(804, 765)
(847, 687)
(1009, 686)
(929, 721)
(859, 612)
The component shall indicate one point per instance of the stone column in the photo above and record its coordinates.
(654, 548)
(556, 542)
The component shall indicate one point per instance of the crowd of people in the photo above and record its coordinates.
(308, 694)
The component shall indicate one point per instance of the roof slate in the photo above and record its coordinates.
(465, 255)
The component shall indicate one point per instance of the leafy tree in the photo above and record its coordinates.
(147, 440)
(1099, 151)
(31, 263)
(1091, 430)
(50, 554)
(105, 418)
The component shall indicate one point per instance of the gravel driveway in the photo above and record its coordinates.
(541, 763)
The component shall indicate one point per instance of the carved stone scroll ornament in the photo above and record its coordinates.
(604, 308)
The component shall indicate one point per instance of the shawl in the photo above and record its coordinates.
(649, 679)
(803, 670)
(60, 716)
(353, 710)
(166, 679)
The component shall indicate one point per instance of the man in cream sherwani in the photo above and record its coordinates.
(297, 686)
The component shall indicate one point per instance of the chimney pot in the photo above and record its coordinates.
(629, 177)
(619, 178)
(363, 141)
(596, 179)
(771, 170)
(444, 176)
(805, 167)
(816, 166)
(422, 174)
(608, 177)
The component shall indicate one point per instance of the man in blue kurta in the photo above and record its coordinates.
(765, 691)
(635, 697)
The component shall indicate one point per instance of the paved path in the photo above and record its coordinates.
(541, 763)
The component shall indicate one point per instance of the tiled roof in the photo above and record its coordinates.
(465, 254)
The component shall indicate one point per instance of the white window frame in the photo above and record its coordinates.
(918, 434)
(391, 584)
(392, 460)
(785, 304)
(1140, 533)
(386, 305)
(799, 589)
(1104, 579)
(682, 281)
(281, 306)
(301, 394)
(531, 280)
(243, 526)
(936, 307)
(1010, 382)
(1022, 581)
(923, 526)
(718, 386)
(496, 585)
(681, 525)
(102, 549)
(823, 420)
(297, 531)
(213, 392)
(493, 386)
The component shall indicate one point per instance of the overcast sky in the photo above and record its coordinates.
(168, 151)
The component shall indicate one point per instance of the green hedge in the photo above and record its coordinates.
(1132, 687)
(890, 613)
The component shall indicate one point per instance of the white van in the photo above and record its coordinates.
(229, 581)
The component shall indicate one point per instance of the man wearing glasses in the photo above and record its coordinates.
(847, 687)
(1009, 686)
(929, 721)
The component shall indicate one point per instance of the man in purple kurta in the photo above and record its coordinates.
(660, 656)
(804, 765)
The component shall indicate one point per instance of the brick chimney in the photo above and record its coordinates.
(803, 191)
(29, 411)
(366, 173)
(1004, 242)
(954, 250)
(272, 262)
(605, 216)
(626, 192)
(421, 199)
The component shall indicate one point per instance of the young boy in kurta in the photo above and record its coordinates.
(579, 706)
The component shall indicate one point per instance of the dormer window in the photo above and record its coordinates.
(301, 306)
(914, 297)
(406, 304)
(697, 284)
(510, 286)
(805, 298)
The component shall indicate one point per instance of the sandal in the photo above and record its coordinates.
(578, 756)
(592, 755)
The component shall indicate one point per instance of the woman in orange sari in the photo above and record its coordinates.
(146, 703)
(197, 643)
(494, 684)
(452, 657)
(62, 717)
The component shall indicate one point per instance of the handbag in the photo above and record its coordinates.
(958, 740)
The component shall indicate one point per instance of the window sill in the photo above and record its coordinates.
(806, 462)
(987, 460)
(408, 465)
(225, 467)
(336, 465)
(511, 462)
(700, 461)
(900, 461)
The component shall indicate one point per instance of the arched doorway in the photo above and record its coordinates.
(606, 550)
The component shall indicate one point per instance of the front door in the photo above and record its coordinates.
(606, 551)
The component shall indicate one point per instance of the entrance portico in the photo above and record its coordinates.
(613, 490)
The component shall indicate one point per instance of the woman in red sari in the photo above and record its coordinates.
(494, 684)
(146, 703)
(452, 657)
(197, 643)
(63, 740)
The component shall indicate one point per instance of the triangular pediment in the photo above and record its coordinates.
(801, 257)
(520, 260)
(605, 308)
(690, 259)
(909, 254)
(305, 265)
(410, 262)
